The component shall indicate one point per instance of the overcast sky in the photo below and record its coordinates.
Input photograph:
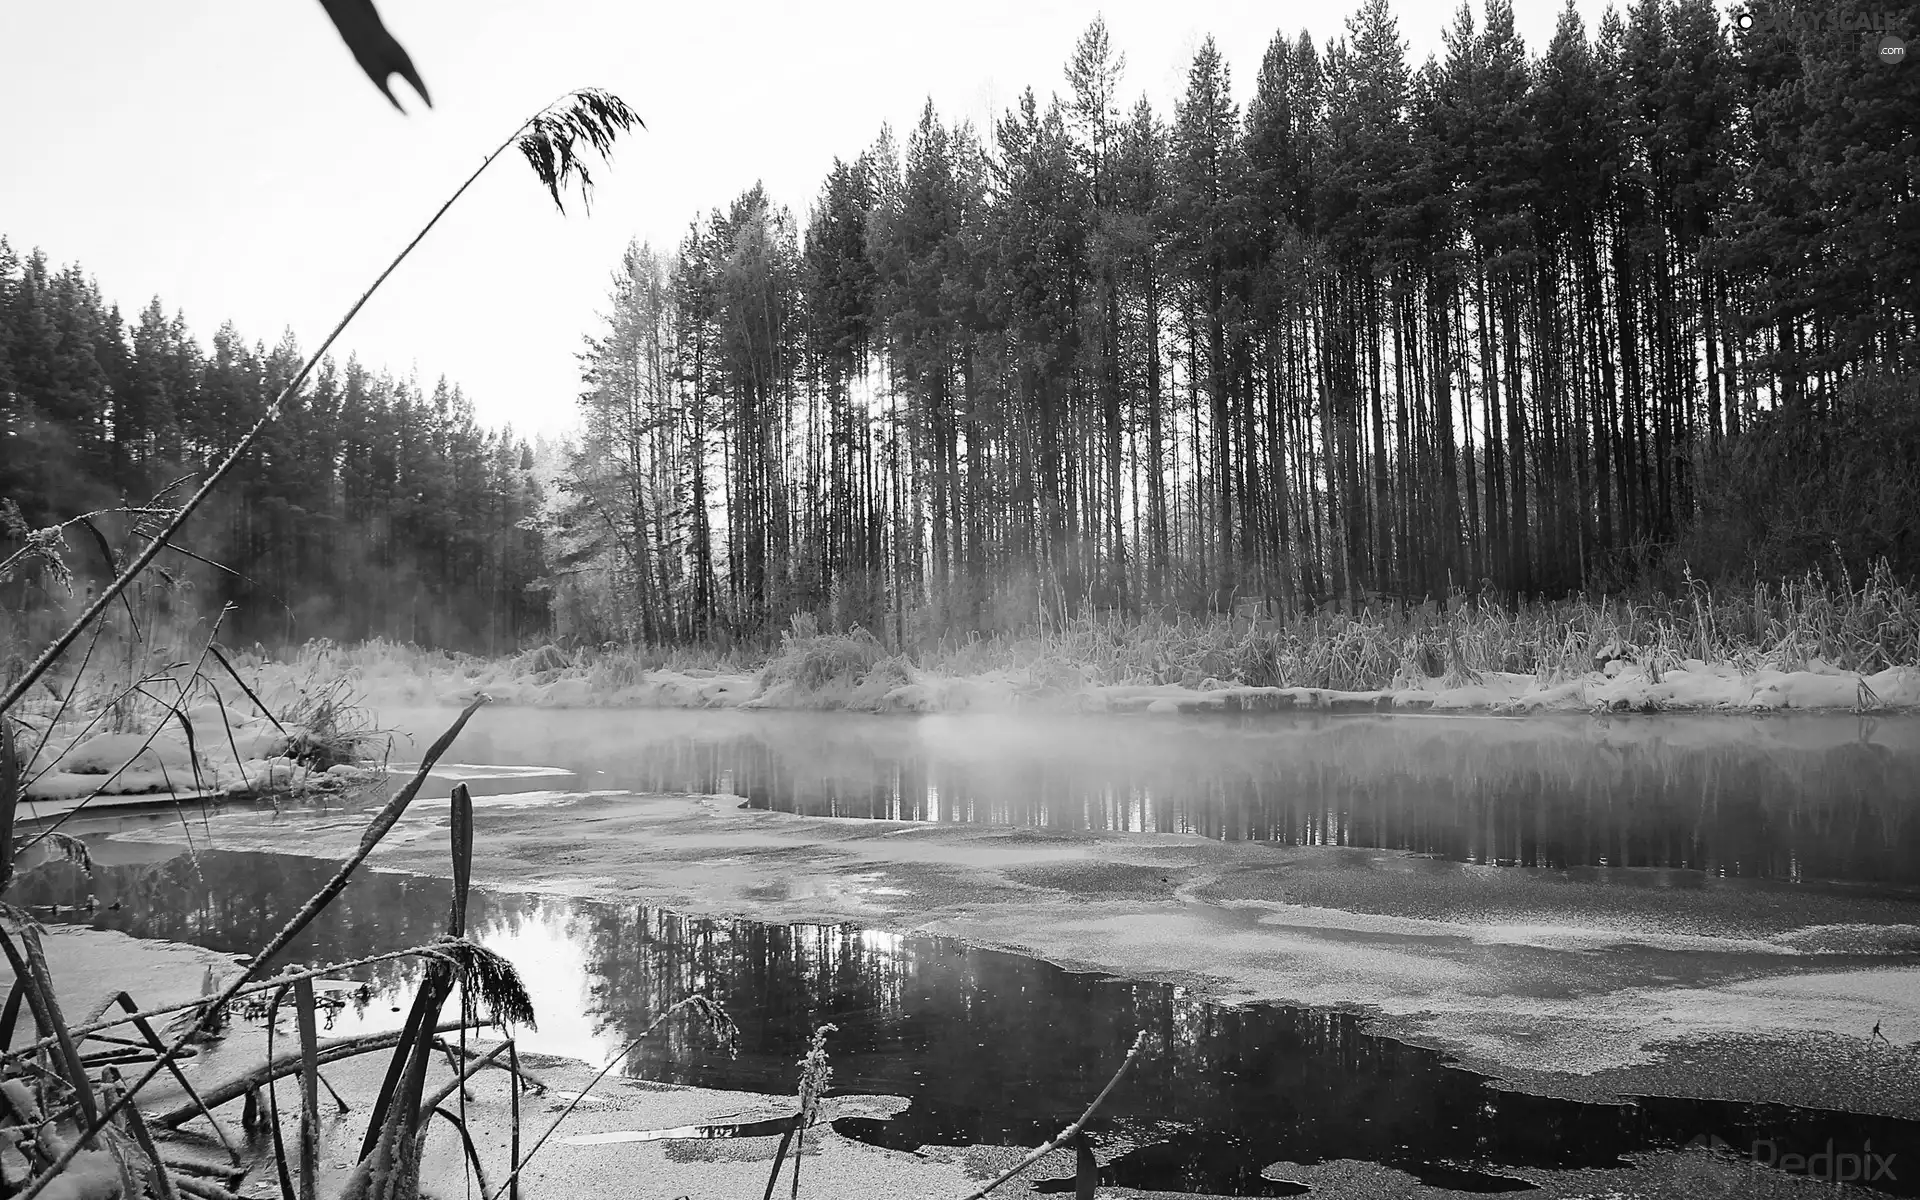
(229, 157)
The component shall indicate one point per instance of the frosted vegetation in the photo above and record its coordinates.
(1802, 644)
(168, 726)
(305, 721)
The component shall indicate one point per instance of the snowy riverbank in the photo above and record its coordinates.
(206, 750)
(893, 685)
(229, 751)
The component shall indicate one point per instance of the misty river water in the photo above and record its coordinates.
(1807, 797)
(997, 1048)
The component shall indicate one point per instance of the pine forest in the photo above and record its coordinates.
(1514, 321)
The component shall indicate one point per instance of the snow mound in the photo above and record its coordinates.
(105, 753)
(230, 751)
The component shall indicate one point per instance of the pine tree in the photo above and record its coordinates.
(1206, 171)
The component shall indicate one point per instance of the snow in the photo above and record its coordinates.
(69, 785)
(229, 751)
(894, 685)
(242, 735)
(104, 753)
(844, 672)
(92, 1175)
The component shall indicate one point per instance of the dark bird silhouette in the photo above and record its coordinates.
(378, 54)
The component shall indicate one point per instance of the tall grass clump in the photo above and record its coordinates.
(334, 724)
(810, 661)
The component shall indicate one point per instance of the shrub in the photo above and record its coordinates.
(811, 660)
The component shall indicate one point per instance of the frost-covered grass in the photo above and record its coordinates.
(149, 715)
(606, 667)
(1800, 643)
(1783, 627)
(810, 660)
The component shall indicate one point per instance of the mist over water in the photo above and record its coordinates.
(1805, 798)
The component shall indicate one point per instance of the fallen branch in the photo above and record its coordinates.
(460, 1077)
(203, 1191)
(282, 1066)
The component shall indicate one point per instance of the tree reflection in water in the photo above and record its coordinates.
(990, 1047)
(1804, 797)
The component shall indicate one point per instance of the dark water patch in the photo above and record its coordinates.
(1801, 798)
(987, 1047)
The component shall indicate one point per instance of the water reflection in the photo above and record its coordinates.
(1803, 797)
(989, 1047)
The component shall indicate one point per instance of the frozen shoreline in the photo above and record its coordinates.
(254, 753)
(1692, 686)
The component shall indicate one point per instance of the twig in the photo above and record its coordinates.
(281, 1067)
(696, 1001)
(257, 702)
(46, 734)
(1073, 1130)
(460, 1076)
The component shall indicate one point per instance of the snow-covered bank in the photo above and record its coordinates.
(1802, 644)
(893, 685)
(1693, 686)
(228, 752)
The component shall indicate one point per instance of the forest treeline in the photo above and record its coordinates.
(1510, 321)
(370, 508)
(1504, 321)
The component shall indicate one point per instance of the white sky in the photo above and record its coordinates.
(229, 156)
